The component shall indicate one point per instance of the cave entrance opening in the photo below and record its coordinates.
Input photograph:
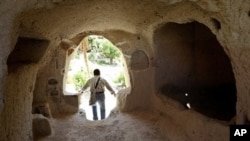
(95, 52)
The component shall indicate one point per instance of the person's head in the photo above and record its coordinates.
(96, 72)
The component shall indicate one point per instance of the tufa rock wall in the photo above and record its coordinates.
(131, 27)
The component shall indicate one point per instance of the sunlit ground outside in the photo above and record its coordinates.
(110, 72)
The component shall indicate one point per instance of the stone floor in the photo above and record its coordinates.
(117, 127)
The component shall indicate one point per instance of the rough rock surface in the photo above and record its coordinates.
(131, 26)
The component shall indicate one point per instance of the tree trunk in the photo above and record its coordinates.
(84, 50)
(111, 60)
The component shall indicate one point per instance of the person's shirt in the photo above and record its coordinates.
(100, 87)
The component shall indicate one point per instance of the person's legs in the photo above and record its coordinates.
(101, 102)
(94, 110)
(102, 107)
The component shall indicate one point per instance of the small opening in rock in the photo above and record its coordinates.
(52, 81)
(188, 105)
(216, 23)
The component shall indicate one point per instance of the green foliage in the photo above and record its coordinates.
(120, 79)
(102, 49)
(102, 62)
(79, 80)
(94, 43)
(91, 57)
(90, 40)
(110, 51)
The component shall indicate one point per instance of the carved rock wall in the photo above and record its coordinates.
(130, 26)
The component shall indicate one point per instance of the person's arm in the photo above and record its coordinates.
(87, 84)
(109, 87)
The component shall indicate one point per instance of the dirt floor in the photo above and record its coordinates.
(177, 124)
(167, 120)
(138, 126)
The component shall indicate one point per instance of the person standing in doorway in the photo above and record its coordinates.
(97, 86)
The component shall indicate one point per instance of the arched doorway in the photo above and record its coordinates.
(95, 51)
